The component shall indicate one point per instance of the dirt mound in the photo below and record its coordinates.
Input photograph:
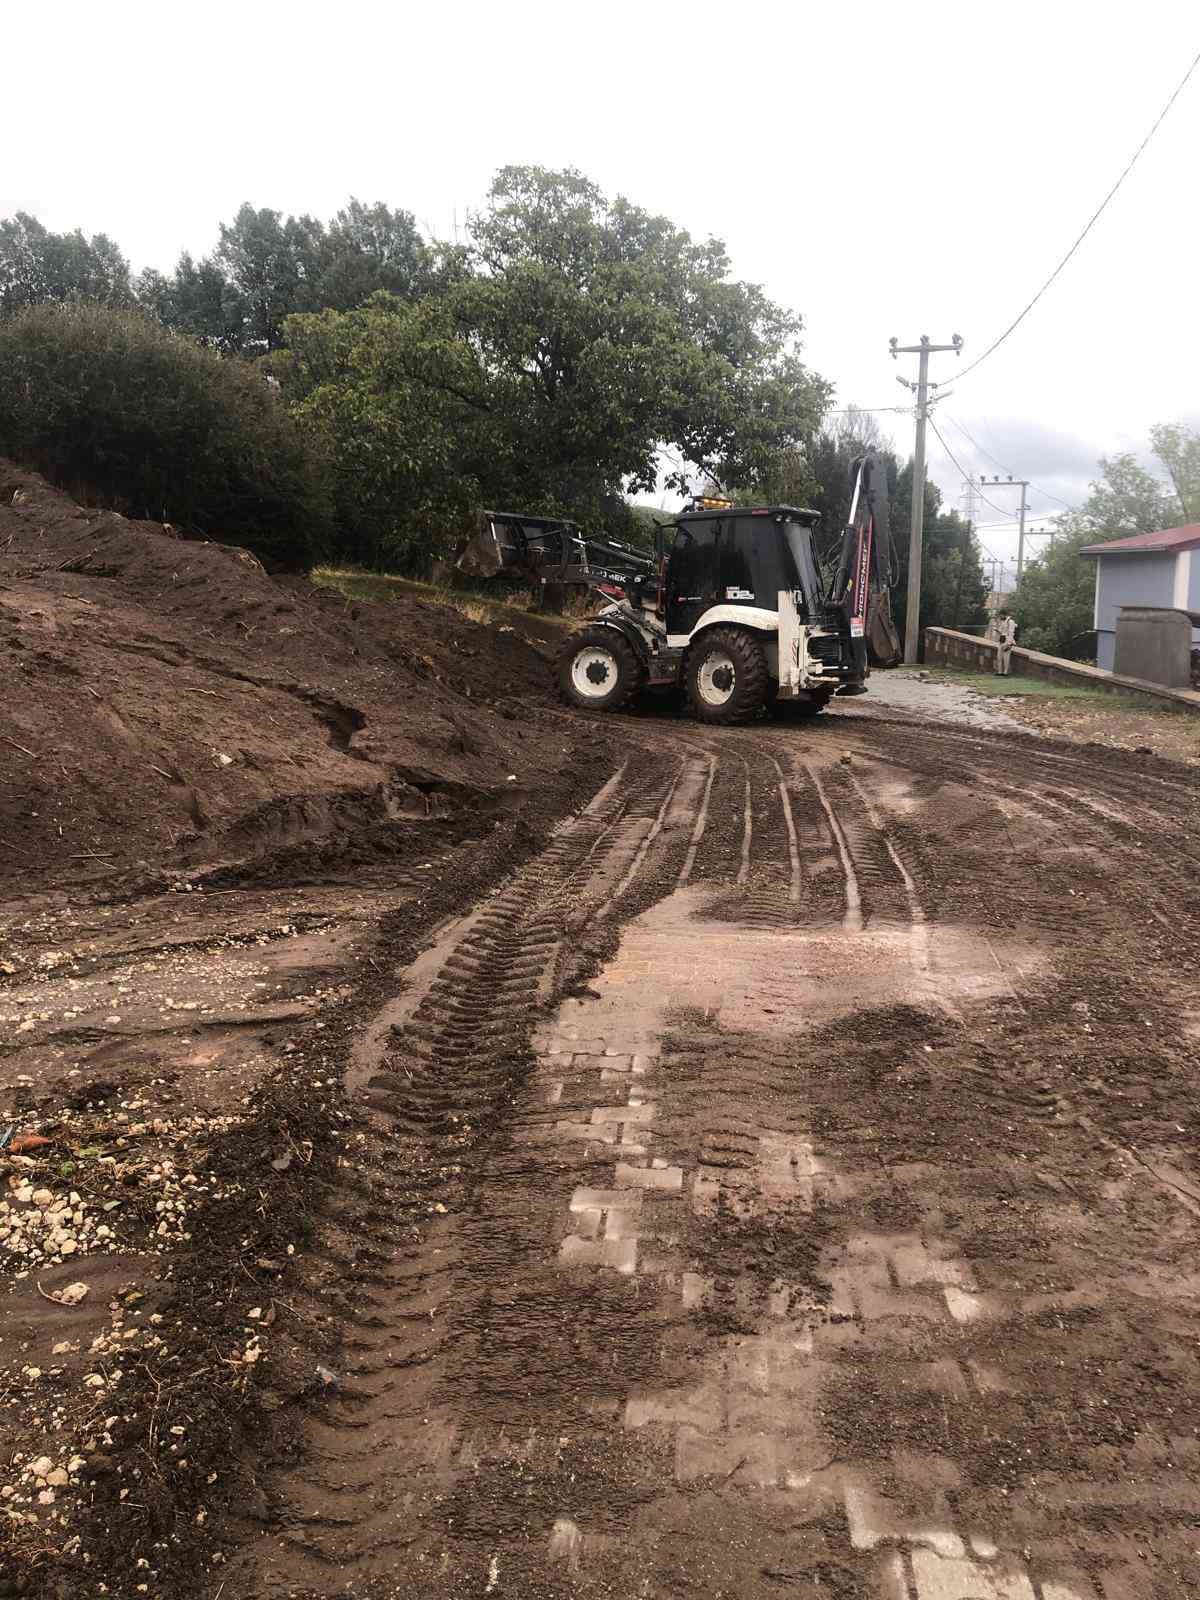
(168, 702)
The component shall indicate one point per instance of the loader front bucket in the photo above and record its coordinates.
(483, 555)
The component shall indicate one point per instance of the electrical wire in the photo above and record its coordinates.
(874, 411)
(972, 440)
(1092, 220)
(1010, 521)
(965, 476)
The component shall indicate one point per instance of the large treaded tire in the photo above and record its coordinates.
(715, 654)
(599, 670)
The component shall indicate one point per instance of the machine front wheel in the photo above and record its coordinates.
(598, 670)
(726, 676)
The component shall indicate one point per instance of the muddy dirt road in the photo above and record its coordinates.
(780, 1186)
(785, 1185)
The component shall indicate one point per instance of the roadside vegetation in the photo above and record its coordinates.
(353, 391)
(1087, 716)
(1053, 603)
(568, 354)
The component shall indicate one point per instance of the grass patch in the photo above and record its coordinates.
(356, 585)
(1016, 687)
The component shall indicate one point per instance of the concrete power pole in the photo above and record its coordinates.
(1023, 485)
(912, 614)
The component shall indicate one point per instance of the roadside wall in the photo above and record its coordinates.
(944, 647)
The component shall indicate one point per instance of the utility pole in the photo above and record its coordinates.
(1013, 483)
(912, 612)
(1032, 533)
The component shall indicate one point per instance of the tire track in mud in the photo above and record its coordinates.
(615, 1351)
(455, 1063)
(1136, 796)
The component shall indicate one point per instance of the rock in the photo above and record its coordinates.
(59, 1478)
(42, 1467)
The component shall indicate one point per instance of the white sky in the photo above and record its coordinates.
(883, 169)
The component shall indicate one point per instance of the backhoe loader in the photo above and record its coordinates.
(732, 607)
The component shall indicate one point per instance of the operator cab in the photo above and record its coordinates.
(737, 556)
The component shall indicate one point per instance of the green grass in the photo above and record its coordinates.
(356, 585)
(1016, 687)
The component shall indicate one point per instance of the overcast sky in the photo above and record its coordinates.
(883, 169)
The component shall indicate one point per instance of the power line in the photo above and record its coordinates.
(972, 439)
(1092, 220)
(873, 411)
(963, 474)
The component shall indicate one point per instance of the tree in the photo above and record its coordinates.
(267, 267)
(1054, 601)
(393, 397)
(109, 404)
(953, 588)
(366, 249)
(608, 331)
(268, 262)
(38, 267)
(1179, 451)
(543, 367)
(198, 300)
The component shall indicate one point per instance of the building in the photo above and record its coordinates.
(1148, 569)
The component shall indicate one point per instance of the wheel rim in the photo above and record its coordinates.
(717, 678)
(594, 672)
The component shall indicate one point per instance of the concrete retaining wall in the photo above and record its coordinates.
(944, 647)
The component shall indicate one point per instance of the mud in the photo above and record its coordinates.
(170, 707)
(763, 1164)
(792, 1252)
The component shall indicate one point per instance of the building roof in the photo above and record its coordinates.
(1165, 542)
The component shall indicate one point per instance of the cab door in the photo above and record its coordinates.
(692, 570)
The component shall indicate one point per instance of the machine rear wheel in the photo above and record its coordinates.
(598, 670)
(727, 677)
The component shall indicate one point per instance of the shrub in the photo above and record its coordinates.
(108, 403)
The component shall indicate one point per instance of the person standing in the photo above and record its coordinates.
(1006, 635)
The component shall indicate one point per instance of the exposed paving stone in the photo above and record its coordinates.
(668, 1179)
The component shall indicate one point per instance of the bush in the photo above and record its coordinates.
(109, 405)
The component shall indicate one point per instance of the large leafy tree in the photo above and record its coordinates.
(38, 267)
(395, 399)
(1054, 600)
(546, 363)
